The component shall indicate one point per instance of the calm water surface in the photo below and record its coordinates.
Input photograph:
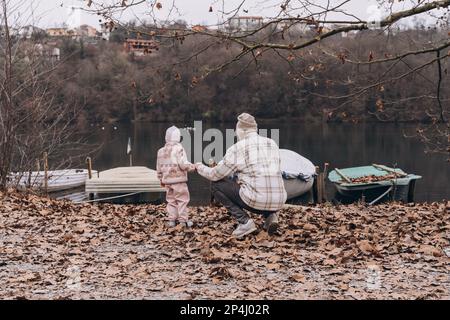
(341, 145)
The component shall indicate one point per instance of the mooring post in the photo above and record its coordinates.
(316, 187)
(130, 151)
(46, 172)
(412, 187)
(89, 167)
(324, 183)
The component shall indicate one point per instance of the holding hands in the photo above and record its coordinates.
(195, 167)
(198, 165)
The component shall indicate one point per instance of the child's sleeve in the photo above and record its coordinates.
(183, 163)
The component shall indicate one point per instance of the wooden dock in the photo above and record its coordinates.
(124, 180)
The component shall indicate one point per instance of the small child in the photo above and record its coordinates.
(172, 167)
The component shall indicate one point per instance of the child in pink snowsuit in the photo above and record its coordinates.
(172, 167)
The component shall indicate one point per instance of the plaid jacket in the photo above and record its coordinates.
(256, 161)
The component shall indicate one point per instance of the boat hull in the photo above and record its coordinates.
(298, 173)
(398, 193)
(58, 180)
(296, 187)
(374, 183)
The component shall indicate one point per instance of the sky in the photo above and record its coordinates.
(52, 13)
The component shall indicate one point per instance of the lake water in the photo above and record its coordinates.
(341, 145)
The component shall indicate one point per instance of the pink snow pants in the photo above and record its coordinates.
(177, 197)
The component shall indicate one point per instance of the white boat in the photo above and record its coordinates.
(58, 180)
(298, 173)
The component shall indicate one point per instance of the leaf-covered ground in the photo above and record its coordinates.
(57, 250)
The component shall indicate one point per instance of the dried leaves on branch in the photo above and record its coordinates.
(51, 249)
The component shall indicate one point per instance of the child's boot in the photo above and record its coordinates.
(171, 224)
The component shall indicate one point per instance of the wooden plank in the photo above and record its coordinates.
(381, 167)
(343, 176)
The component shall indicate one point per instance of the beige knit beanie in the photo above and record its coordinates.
(247, 122)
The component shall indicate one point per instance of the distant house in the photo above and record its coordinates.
(55, 54)
(49, 51)
(83, 32)
(58, 32)
(27, 32)
(105, 31)
(199, 28)
(350, 34)
(293, 27)
(245, 24)
(140, 47)
(86, 31)
(12, 31)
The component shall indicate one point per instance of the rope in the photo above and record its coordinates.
(109, 198)
(380, 197)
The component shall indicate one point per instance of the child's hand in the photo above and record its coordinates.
(192, 168)
(198, 165)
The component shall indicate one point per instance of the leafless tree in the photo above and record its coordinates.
(32, 120)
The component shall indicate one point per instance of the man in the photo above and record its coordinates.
(257, 185)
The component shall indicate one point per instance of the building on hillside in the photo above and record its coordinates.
(41, 50)
(350, 34)
(245, 24)
(293, 27)
(12, 31)
(105, 31)
(140, 47)
(86, 31)
(55, 54)
(27, 32)
(58, 32)
(199, 28)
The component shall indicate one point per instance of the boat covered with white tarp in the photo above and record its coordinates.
(298, 173)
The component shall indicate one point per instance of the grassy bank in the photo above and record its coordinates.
(58, 250)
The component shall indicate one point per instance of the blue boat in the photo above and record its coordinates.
(374, 183)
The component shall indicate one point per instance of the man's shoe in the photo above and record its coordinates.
(271, 224)
(187, 224)
(171, 224)
(245, 229)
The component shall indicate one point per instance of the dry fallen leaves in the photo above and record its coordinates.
(114, 251)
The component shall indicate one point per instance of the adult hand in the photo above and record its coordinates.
(198, 165)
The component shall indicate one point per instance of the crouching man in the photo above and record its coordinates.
(249, 178)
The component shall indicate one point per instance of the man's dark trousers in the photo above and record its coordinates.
(226, 192)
